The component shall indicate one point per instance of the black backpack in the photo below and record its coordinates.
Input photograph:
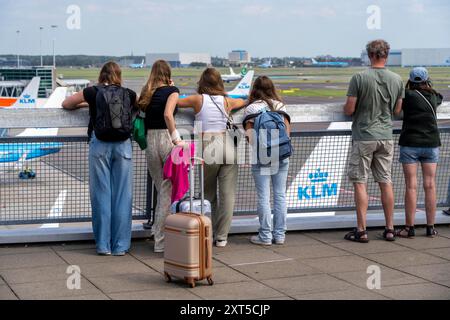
(112, 119)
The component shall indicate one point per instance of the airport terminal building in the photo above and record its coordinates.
(433, 57)
(178, 60)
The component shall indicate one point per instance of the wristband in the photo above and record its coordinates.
(175, 136)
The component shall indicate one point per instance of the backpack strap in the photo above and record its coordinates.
(428, 103)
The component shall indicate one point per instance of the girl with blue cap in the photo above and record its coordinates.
(419, 143)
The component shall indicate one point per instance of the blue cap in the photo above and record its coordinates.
(418, 75)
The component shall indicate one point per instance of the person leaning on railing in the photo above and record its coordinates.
(110, 158)
(159, 100)
(372, 96)
(419, 143)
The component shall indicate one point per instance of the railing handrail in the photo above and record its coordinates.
(59, 118)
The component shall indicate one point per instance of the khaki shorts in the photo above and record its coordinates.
(375, 156)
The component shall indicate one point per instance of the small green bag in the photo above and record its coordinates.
(139, 134)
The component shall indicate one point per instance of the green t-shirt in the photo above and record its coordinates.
(378, 91)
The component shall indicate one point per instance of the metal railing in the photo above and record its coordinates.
(317, 179)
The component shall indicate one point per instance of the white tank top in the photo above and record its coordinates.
(212, 119)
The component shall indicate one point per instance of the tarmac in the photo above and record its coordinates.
(310, 266)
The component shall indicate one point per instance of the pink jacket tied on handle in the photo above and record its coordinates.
(176, 169)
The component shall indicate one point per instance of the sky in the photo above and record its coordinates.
(302, 28)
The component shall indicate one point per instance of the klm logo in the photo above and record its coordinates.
(27, 100)
(319, 187)
(244, 86)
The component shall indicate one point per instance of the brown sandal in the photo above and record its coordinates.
(357, 236)
(389, 231)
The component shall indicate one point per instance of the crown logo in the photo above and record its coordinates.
(318, 176)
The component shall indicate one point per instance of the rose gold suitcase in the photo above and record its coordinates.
(188, 241)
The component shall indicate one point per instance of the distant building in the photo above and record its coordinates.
(239, 57)
(426, 57)
(437, 57)
(178, 60)
(394, 60)
(47, 75)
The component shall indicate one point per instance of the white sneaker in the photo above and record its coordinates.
(221, 243)
(279, 242)
(158, 250)
(257, 240)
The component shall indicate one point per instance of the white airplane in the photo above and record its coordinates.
(27, 99)
(266, 65)
(138, 65)
(233, 76)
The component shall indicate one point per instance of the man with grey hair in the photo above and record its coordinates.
(372, 97)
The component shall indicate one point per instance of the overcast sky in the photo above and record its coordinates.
(263, 27)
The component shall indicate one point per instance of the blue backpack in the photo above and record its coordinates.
(268, 140)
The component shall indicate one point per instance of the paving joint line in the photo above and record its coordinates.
(81, 273)
(10, 288)
(393, 268)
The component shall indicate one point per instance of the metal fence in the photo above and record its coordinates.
(317, 179)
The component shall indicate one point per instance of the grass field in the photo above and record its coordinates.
(314, 83)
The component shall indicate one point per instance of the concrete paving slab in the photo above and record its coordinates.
(284, 269)
(297, 238)
(431, 272)
(421, 291)
(112, 268)
(389, 277)
(349, 294)
(403, 258)
(374, 246)
(23, 249)
(145, 251)
(444, 230)
(52, 289)
(1, 279)
(6, 293)
(36, 274)
(278, 298)
(339, 264)
(228, 275)
(85, 256)
(420, 242)
(309, 251)
(131, 282)
(166, 294)
(238, 243)
(442, 252)
(30, 260)
(235, 291)
(307, 284)
(74, 246)
(255, 256)
(158, 264)
(328, 236)
(96, 297)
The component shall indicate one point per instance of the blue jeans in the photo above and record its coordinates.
(409, 155)
(110, 186)
(277, 175)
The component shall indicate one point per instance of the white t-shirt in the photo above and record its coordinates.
(258, 106)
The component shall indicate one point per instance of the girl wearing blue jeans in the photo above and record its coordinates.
(110, 169)
(264, 96)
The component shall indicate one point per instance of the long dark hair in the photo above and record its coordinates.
(211, 83)
(264, 90)
(110, 74)
(421, 86)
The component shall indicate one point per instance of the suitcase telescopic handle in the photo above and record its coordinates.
(192, 184)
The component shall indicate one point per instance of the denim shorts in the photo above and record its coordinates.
(415, 155)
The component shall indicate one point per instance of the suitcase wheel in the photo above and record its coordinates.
(167, 277)
(210, 281)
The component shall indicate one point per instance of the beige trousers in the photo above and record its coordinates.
(159, 147)
(221, 171)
